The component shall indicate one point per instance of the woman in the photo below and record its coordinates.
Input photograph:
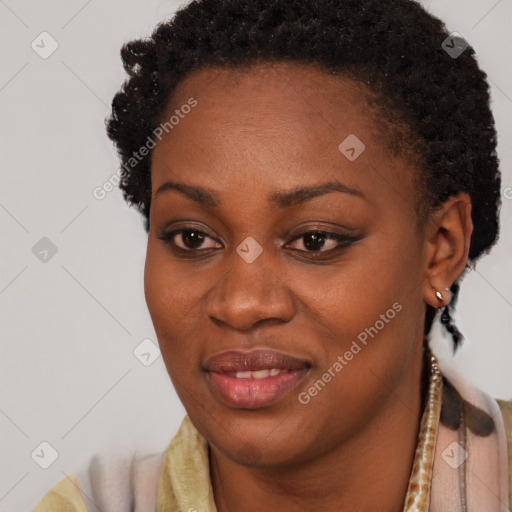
(316, 178)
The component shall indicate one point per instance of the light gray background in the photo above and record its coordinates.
(69, 326)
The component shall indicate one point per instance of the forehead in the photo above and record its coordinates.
(277, 125)
(276, 94)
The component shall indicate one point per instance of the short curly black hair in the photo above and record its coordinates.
(395, 47)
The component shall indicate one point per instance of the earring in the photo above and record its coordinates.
(439, 296)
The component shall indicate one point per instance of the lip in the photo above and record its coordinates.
(249, 392)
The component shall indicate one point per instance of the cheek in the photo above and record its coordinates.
(159, 290)
(352, 295)
(171, 299)
(172, 288)
(368, 310)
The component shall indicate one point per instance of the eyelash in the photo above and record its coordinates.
(344, 241)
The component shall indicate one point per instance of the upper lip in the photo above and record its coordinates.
(260, 359)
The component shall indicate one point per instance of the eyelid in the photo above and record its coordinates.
(325, 231)
(185, 225)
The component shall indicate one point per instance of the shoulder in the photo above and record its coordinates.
(109, 482)
(112, 482)
(63, 497)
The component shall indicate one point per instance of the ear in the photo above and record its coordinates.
(447, 238)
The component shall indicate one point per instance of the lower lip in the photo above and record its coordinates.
(254, 393)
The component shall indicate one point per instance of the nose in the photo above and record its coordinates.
(250, 293)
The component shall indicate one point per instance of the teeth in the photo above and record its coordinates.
(258, 374)
(243, 375)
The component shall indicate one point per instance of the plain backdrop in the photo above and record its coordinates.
(71, 289)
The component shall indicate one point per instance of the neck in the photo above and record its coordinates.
(368, 472)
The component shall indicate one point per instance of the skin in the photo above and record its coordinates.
(254, 132)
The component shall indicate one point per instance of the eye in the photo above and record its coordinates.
(321, 241)
(189, 239)
(192, 240)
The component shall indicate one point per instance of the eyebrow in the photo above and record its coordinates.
(287, 199)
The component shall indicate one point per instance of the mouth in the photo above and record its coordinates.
(256, 379)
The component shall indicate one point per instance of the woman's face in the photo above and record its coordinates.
(282, 344)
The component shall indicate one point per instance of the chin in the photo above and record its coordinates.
(256, 438)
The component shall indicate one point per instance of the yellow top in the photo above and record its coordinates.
(506, 412)
(184, 485)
